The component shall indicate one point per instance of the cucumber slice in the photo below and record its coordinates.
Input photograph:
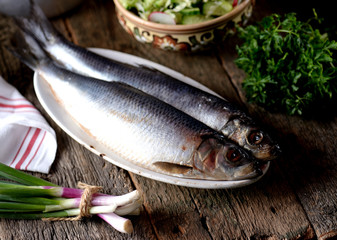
(218, 8)
(190, 11)
(191, 19)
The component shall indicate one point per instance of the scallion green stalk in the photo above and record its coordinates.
(57, 214)
(72, 202)
(22, 206)
(31, 191)
(21, 177)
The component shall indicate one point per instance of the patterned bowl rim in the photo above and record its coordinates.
(198, 27)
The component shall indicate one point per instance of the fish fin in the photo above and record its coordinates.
(25, 48)
(173, 168)
(37, 25)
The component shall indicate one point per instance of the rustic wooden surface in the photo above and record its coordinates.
(296, 199)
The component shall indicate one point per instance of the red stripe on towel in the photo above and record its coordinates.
(37, 149)
(29, 148)
(16, 106)
(23, 141)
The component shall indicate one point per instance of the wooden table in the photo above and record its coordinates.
(296, 199)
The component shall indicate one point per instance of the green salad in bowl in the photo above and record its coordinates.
(179, 11)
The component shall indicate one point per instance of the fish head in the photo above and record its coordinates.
(221, 160)
(261, 145)
(251, 137)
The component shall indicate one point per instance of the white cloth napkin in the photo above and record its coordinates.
(27, 142)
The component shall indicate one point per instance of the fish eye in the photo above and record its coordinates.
(255, 137)
(233, 155)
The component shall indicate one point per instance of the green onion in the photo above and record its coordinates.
(22, 206)
(21, 177)
(40, 200)
(31, 191)
(57, 214)
(24, 196)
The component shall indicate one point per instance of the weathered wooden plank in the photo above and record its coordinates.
(269, 209)
(73, 163)
(171, 210)
(309, 161)
(155, 194)
(255, 212)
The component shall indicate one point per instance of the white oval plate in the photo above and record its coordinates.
(60, 116)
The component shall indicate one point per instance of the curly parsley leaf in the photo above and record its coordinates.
(290, 66)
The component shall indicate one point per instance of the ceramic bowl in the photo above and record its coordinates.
(192, 37)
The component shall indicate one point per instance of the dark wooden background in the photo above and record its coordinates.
(296, 199)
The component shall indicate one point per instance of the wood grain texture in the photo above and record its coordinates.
(309, 159)
(297, 198)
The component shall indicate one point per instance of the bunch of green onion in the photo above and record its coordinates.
(23, 196)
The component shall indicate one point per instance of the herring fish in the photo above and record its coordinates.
(215, 112)
(138, 127)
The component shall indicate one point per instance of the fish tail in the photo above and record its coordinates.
(37, 25)
(25, 47)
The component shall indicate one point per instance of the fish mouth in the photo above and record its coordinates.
(261, 168)
(276, 151)
(254, 171)
(268, 154)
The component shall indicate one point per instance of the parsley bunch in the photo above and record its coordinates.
(290, 65)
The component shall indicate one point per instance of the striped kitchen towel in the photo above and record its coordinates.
(27, 142)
